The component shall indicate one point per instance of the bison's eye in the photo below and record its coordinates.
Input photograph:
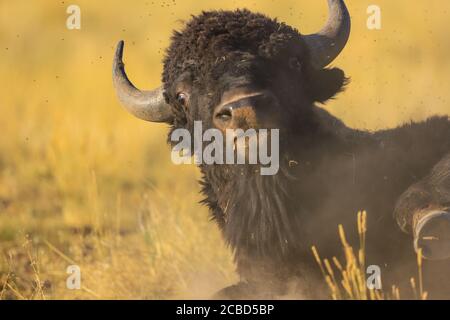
(224, 114)
(182, 98)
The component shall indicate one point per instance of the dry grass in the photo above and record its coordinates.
(83, 182)
(348, 280)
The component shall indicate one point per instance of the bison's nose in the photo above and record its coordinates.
(239, 113)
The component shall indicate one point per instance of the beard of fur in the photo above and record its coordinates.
(253, 211)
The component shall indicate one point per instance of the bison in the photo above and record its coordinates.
(239, 69)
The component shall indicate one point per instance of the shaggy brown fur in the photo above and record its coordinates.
(328, 171)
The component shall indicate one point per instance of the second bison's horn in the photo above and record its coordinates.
(146, 105)
(326, 45)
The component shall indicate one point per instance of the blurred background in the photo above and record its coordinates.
(84, 183)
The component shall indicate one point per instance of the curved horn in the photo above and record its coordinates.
(146, 105)
(326, 45)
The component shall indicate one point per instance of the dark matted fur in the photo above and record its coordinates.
(327, 172)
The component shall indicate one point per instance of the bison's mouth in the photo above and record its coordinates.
(246, 140)
(242, 148)
(258, 148)
(242, 140)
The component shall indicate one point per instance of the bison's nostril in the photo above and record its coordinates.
(224, 114)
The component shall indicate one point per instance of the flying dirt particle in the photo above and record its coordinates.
(293, 163)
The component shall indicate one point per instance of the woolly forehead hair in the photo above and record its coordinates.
(215, 34)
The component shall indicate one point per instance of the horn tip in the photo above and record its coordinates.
(119, 50)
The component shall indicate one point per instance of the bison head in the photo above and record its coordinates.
(241, 70)
(238, 69)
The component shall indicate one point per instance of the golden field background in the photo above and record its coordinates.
(82, 182)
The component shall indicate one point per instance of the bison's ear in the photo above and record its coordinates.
(326, 83)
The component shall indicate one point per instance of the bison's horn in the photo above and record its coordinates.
(146, 105)
(326, 45)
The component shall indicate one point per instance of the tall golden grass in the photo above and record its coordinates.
(82, 182)
(348, 280)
